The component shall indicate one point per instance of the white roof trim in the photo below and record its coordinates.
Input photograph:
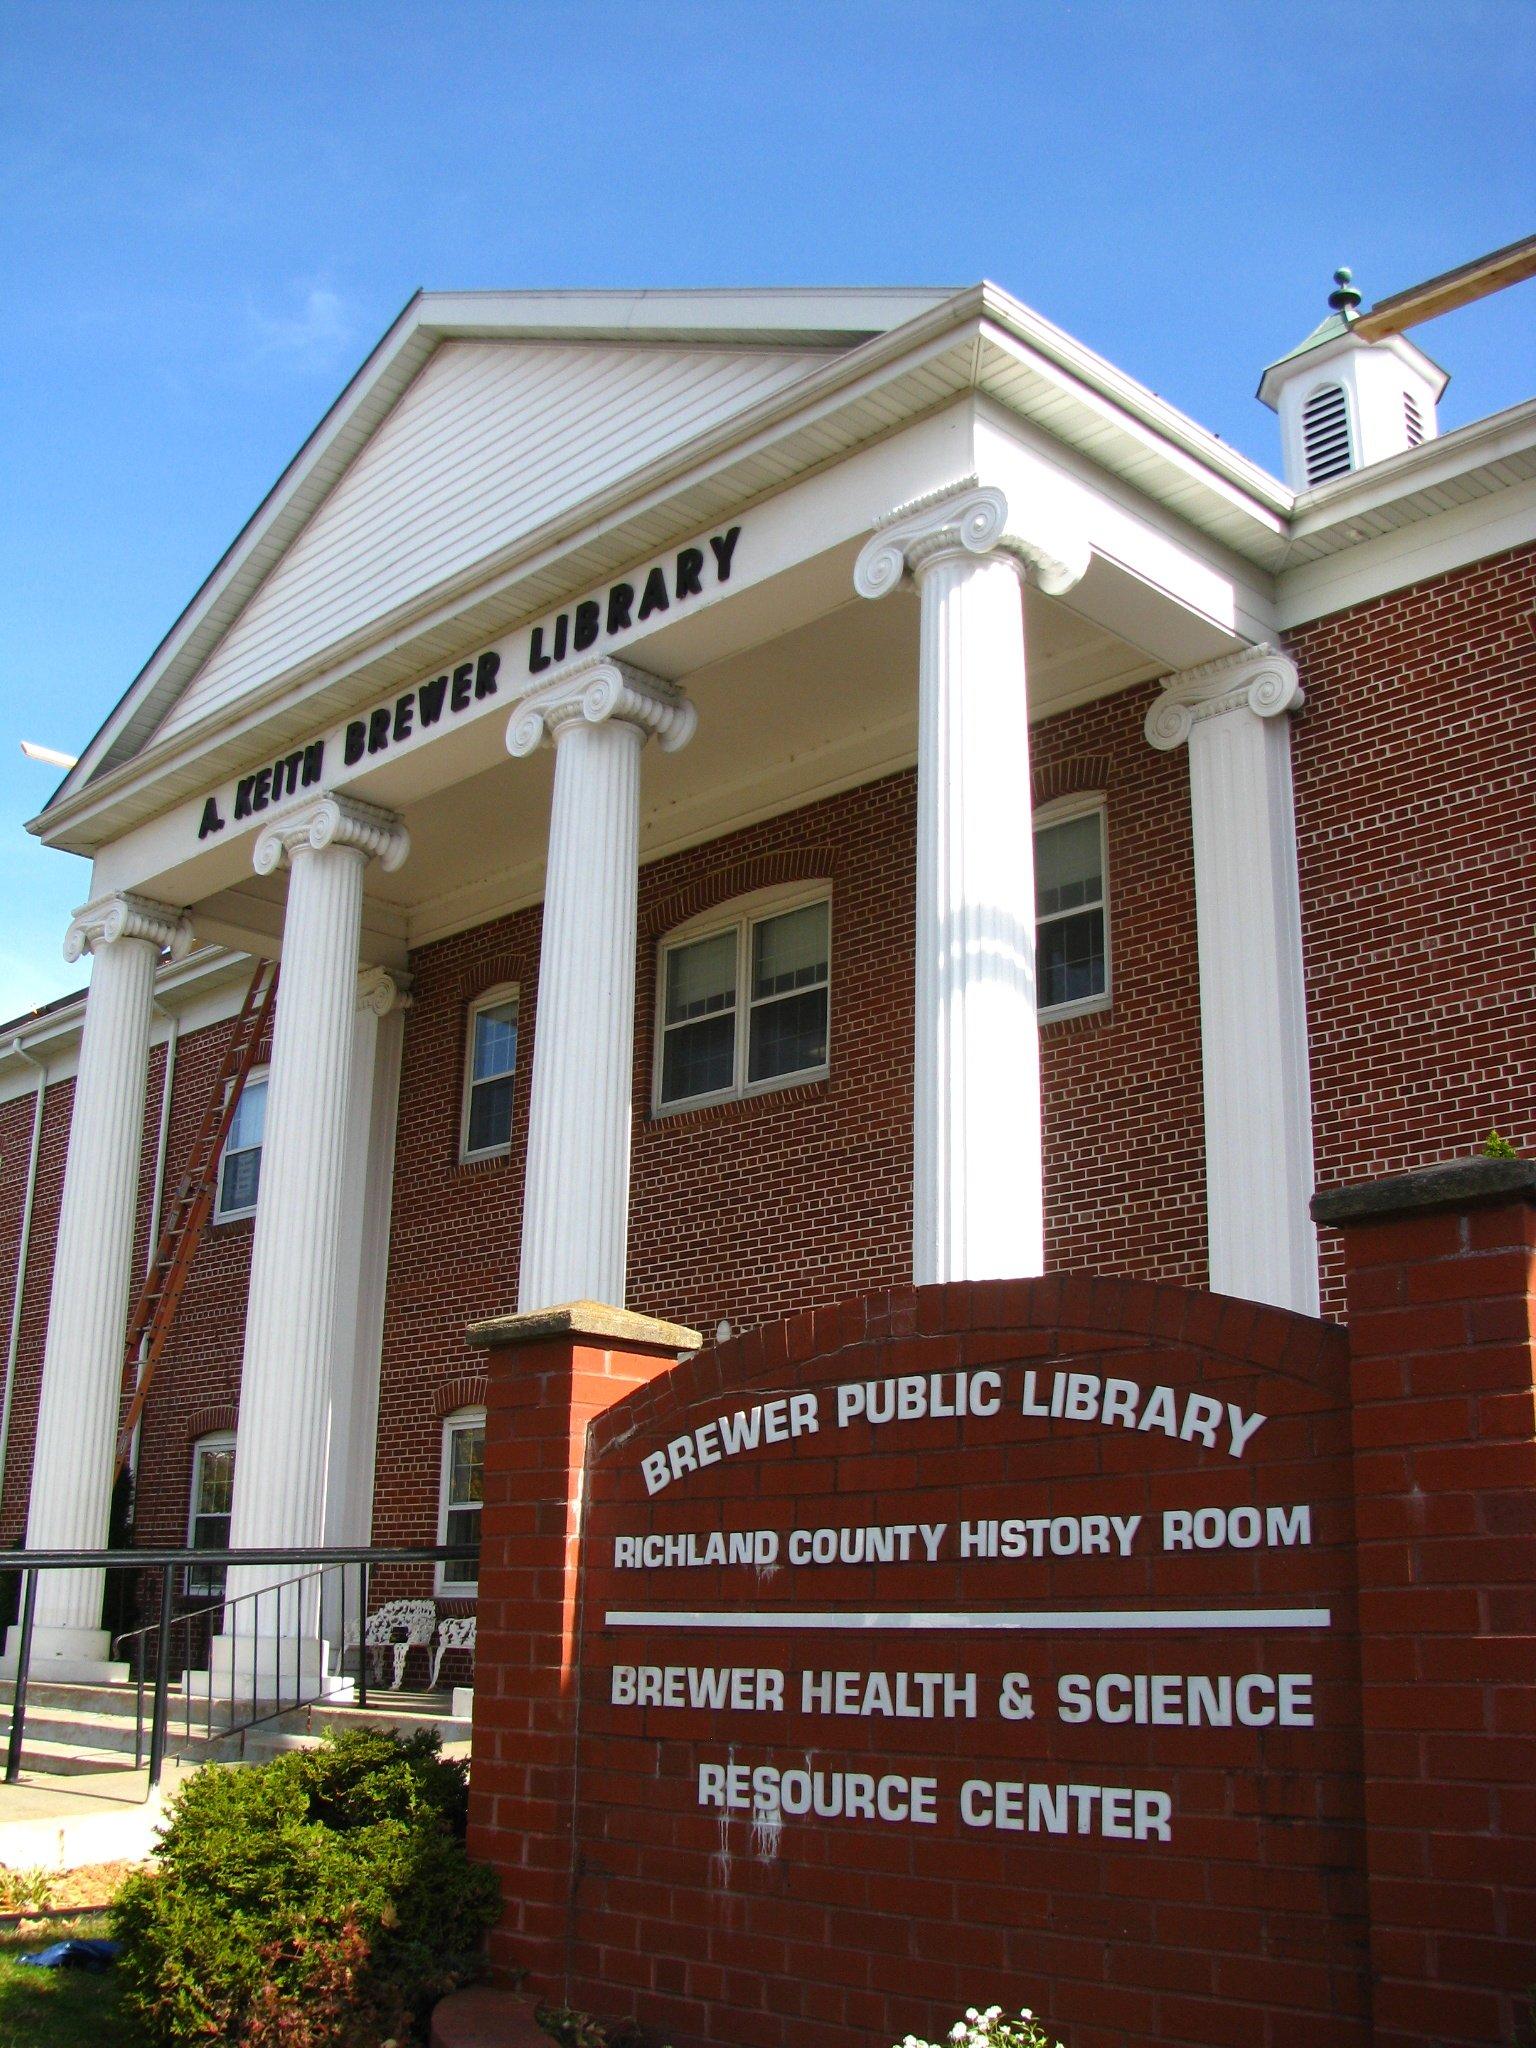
(831, 319)
(873, 337)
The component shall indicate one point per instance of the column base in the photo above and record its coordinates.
(268, 1670)
(65, 1656)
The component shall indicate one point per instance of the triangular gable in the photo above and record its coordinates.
(781, 334)
(491, 441)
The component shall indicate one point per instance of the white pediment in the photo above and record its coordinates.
(491, 442)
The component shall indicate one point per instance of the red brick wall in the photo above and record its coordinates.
(1415, 782)
(752, 1210)
(197, 1383)
(1421, 973)
(15, 1145)
(1441, 1312)
(455, 1228)
(198, 1380)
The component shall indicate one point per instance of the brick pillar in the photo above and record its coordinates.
(549, 1374)
(1440, 1267)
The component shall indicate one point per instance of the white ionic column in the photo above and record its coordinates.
(978, 1209)
(1234, 716)
(283, 1441)
(88, 1310)
(576, 1188)
(378, 1041)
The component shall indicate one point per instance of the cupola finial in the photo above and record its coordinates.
(1345, 299)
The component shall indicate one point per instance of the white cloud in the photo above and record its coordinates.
(312, 336)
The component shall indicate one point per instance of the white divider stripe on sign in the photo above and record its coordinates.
(1025, 1621)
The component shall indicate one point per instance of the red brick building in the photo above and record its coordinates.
(1165, 830)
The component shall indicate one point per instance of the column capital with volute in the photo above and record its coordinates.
(332, 821)
(123, 915)
(381, 991)
(1048, 548)
(1257, 679)
(598, 691)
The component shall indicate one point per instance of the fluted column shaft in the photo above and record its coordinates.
(1234, 717)
(978, 1172)
(88, 1308)
(576, 1187)
(283, 1442)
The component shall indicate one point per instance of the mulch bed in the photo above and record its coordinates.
(86, 1889)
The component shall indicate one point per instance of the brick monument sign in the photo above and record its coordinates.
(1150, 1658)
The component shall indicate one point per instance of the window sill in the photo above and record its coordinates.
(1077, 1016)
(470, 1162)
(782, 1094)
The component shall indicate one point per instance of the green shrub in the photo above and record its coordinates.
(323, 1900)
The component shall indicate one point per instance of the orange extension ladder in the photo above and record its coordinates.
(154, 1312)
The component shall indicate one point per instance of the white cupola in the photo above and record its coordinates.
(1345, 402)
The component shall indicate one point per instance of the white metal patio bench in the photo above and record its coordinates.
(400, 1626)
(454, 1632)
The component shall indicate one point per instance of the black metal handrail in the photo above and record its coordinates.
(169, 1561)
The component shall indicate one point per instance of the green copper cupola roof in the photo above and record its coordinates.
(1344, 303)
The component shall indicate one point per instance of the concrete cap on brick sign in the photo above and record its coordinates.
(1454, 1184)
(581, 1319)
(483, 2017)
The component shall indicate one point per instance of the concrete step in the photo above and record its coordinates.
(83, 1722)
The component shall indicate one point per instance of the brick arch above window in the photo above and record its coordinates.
(465, 1390)
(491, 972)
(764, 871)
(1077, 775)
(211, 1418)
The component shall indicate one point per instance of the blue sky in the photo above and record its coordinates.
(209, 213)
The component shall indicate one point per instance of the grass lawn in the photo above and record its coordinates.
(55, 2008)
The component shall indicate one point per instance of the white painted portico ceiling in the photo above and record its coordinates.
(500, 453)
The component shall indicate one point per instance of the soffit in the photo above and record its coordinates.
(1472, 462)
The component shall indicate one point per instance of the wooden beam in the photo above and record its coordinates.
(1452, 288)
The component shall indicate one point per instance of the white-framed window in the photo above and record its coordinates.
(460, 1492)
(490, 1066)
(240, 1166)
(744, 999)
(1071, 907)
(213, 1494)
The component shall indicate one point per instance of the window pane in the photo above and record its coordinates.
(210, 1532)
(495, 1040)
(240, 1179)
(788, 1036)
(250, 1119)
(215, 1479)
(699, 1059)
(1069, 959)
(789, 952)
(490, 1115)
(466, 1466)
(1069, 865)
(462, 1525)
(701, 979)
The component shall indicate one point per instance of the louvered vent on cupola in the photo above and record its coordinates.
(1325, 434)
(1413, 420)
